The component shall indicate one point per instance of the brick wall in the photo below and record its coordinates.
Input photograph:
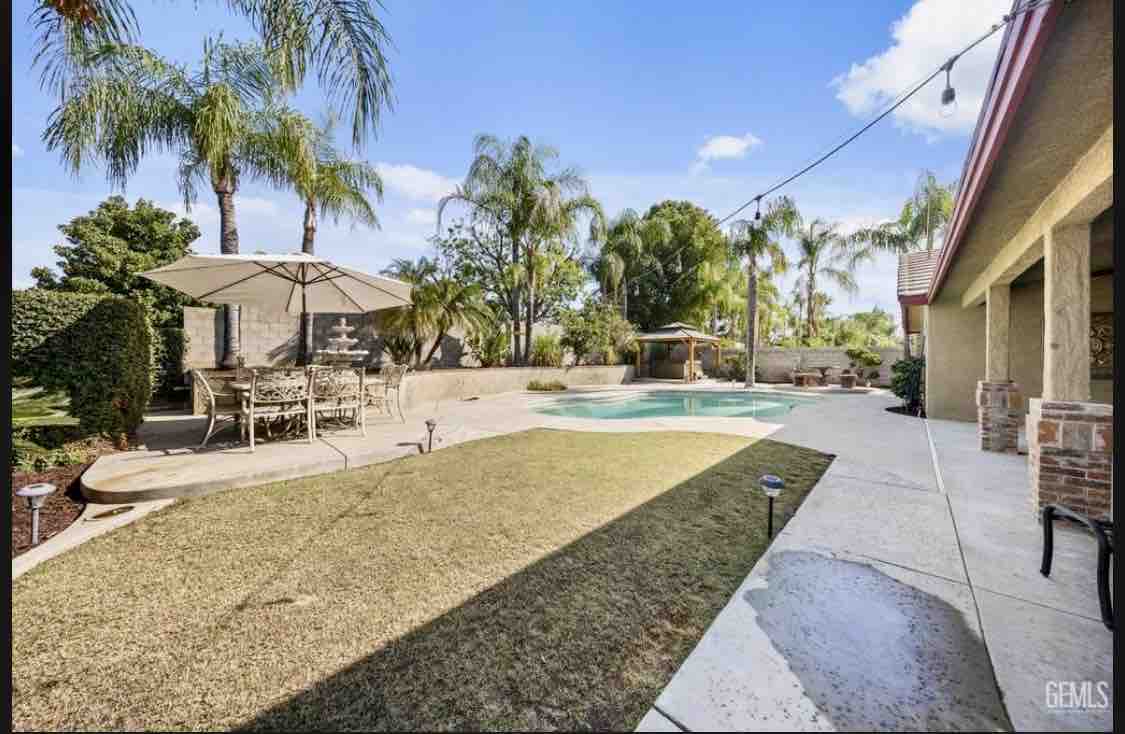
(1070, 452)
(999, 413)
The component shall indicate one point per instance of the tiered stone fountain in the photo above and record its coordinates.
(340, 345)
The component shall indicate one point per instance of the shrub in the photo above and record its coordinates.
(97, 349)
(546, 351)
(734, 368)
(598, 332)
(168, 346)
(546, 386)
(490, 343)
(861, 358)
(908, 382)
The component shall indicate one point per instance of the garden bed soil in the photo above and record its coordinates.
(61, 509)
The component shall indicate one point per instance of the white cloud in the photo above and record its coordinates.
(929, 33)
(421, 216)
(413, 182)
(17, 152)
(720, 147)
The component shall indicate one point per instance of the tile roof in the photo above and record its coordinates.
(915, 271)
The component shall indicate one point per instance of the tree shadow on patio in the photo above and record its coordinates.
(583, 638)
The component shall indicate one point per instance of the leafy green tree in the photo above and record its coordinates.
(342, 41)
(597, 329)
(676, 287)
(823, 256)
(107, 249)
(477, 253)
(513, 196)
(754, 240)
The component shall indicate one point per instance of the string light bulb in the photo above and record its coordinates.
(948, 95)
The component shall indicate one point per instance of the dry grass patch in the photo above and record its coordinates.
(545, 579)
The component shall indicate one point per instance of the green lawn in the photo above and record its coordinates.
(34, 406)
(545, 579)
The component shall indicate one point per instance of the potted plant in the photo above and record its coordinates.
(872, 375)
(848, 376)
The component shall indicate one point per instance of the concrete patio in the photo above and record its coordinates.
(904, 594)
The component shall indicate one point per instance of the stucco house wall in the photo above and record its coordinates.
(954, 359)
(1025, 341)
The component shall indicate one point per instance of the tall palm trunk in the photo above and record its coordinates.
(810, 305)
(228, 244)
(517, 353)
(308, 246)
(751, 319)
(529, 318)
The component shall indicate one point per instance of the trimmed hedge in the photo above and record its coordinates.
(168, 345)
(97, 349)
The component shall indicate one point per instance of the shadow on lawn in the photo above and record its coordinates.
(584, 638)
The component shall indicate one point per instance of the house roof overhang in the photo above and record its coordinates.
(1025, 39)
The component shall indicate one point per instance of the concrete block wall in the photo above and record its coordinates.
(776, 363)
(272, 338)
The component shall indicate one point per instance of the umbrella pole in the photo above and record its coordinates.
(305, 352)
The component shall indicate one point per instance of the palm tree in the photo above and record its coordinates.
(222, 120)
(754, 239)
(342, 41)
(440, 304)
(330, 186)
(822, 250)
(923, 215)
(509, 188)
(623, 250)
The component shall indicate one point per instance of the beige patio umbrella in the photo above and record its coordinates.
(295, 283)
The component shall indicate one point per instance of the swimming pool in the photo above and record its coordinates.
(676, 404)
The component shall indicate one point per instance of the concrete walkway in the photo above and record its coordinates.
(904, 594)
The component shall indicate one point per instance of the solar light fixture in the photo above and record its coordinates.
(771, 485)
(36, 496)
(431, 424)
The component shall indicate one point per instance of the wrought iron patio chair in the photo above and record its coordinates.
(1102, 528)
(222, 404)
(274, 394)
(379, 392)
(339, 392)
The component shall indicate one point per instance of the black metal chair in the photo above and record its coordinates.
(1103, 531)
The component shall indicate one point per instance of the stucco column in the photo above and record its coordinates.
(1066, 306)
(997, 321)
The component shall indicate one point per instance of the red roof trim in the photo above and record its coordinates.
(918, 299)
(1023, 44)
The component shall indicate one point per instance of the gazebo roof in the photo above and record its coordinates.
(676, 332)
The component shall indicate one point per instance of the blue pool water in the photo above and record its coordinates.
(677, 404)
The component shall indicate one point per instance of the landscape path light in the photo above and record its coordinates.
(36, 496)
(431, 424)
(771, 485)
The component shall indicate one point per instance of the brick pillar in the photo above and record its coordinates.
(999, 412)
(1070, 453)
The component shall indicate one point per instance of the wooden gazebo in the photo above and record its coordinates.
(679, 333)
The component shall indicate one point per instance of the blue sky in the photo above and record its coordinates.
(707, 102)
